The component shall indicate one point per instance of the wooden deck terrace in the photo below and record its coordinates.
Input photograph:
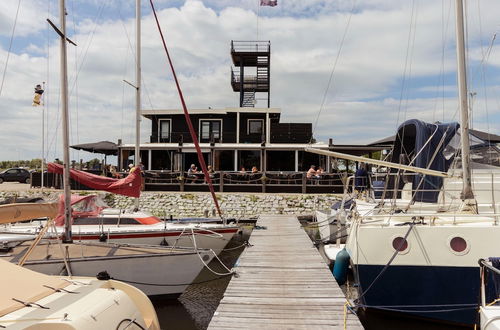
(261, 182)
(282, 283)
(265, 182)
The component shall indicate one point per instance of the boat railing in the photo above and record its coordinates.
(488, 273)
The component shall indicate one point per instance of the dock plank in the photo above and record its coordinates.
(283, 283)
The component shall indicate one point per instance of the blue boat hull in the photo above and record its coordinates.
(448, 294)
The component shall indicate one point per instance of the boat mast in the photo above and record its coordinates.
(65, 123)
(137, 156)
(467, 193)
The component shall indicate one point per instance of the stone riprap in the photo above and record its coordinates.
(197, 204)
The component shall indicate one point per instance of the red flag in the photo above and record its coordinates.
(270, 3)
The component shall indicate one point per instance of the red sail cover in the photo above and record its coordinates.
(87, 207)
(129, 186)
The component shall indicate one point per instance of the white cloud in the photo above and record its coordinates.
(362, 103)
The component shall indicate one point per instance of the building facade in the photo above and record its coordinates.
(231, 138)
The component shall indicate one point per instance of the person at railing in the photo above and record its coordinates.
(361, 178)
(254, 176)
(312, 173)
(114, 173)
(211, 173)
(319, 173)
(191, 173)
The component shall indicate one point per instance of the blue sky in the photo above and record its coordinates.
(397, 62)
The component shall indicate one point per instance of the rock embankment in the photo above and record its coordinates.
(184, 204)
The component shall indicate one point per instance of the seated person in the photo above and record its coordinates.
(191, 173)
(210, 171)
(311, 174)
(255, 169)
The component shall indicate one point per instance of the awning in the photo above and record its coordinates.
(102, 147)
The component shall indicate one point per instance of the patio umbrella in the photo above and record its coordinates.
(102, 147)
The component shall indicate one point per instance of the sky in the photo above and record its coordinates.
(356, 69)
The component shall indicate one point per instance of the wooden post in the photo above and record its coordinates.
(221, 183)
(182, 181)
(264, 182)
(304, 183)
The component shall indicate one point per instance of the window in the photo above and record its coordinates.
(164, 130)
(255, 126)
(210, 129)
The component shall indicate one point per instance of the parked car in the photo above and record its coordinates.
(15, 174)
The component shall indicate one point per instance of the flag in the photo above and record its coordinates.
(270, 3)
(37, 99)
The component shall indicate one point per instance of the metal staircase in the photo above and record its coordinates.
(248, 99)
(251, 74)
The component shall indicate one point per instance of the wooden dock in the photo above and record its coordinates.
(283, 283)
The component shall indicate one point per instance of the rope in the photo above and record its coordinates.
(169, 284)
(388, 263)
(330, 79)
(446, 310)
(10, 47)
(130, 322)
(215, 255)
(201, 160)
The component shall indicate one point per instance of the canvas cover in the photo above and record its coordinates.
(423, 144)
(27, 211)
(24, 285)
(128, 186)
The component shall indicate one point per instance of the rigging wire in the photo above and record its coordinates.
(10, 46)
(143, 79)
(76, 82)
(186, 114)
(47, 89)
(441, 82)
(75, 78)
(332, 72)
(407, 72)
(258, 15)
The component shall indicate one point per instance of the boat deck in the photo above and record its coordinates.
(283, 283)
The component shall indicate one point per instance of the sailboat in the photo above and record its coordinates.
(110, 227)
(156, 270)
(32, 299)
(418, 256)
(421, 259)
(93, 222)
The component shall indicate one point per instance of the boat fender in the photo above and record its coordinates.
(103, 276)
(103, 237)
(341, 266)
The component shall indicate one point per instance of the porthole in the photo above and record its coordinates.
(400, 244)
(458, 245)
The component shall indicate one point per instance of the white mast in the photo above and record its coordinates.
(137, 156)
(467, 195)
(65, 123)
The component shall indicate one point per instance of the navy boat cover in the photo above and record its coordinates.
(423, 140)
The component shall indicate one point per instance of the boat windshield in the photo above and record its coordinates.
(482, 153)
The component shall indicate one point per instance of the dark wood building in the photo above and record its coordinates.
(231, 138)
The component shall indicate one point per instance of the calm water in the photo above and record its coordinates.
(195, 307)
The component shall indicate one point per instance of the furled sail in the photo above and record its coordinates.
(129, 186)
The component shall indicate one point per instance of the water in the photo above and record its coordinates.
(193, 310)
